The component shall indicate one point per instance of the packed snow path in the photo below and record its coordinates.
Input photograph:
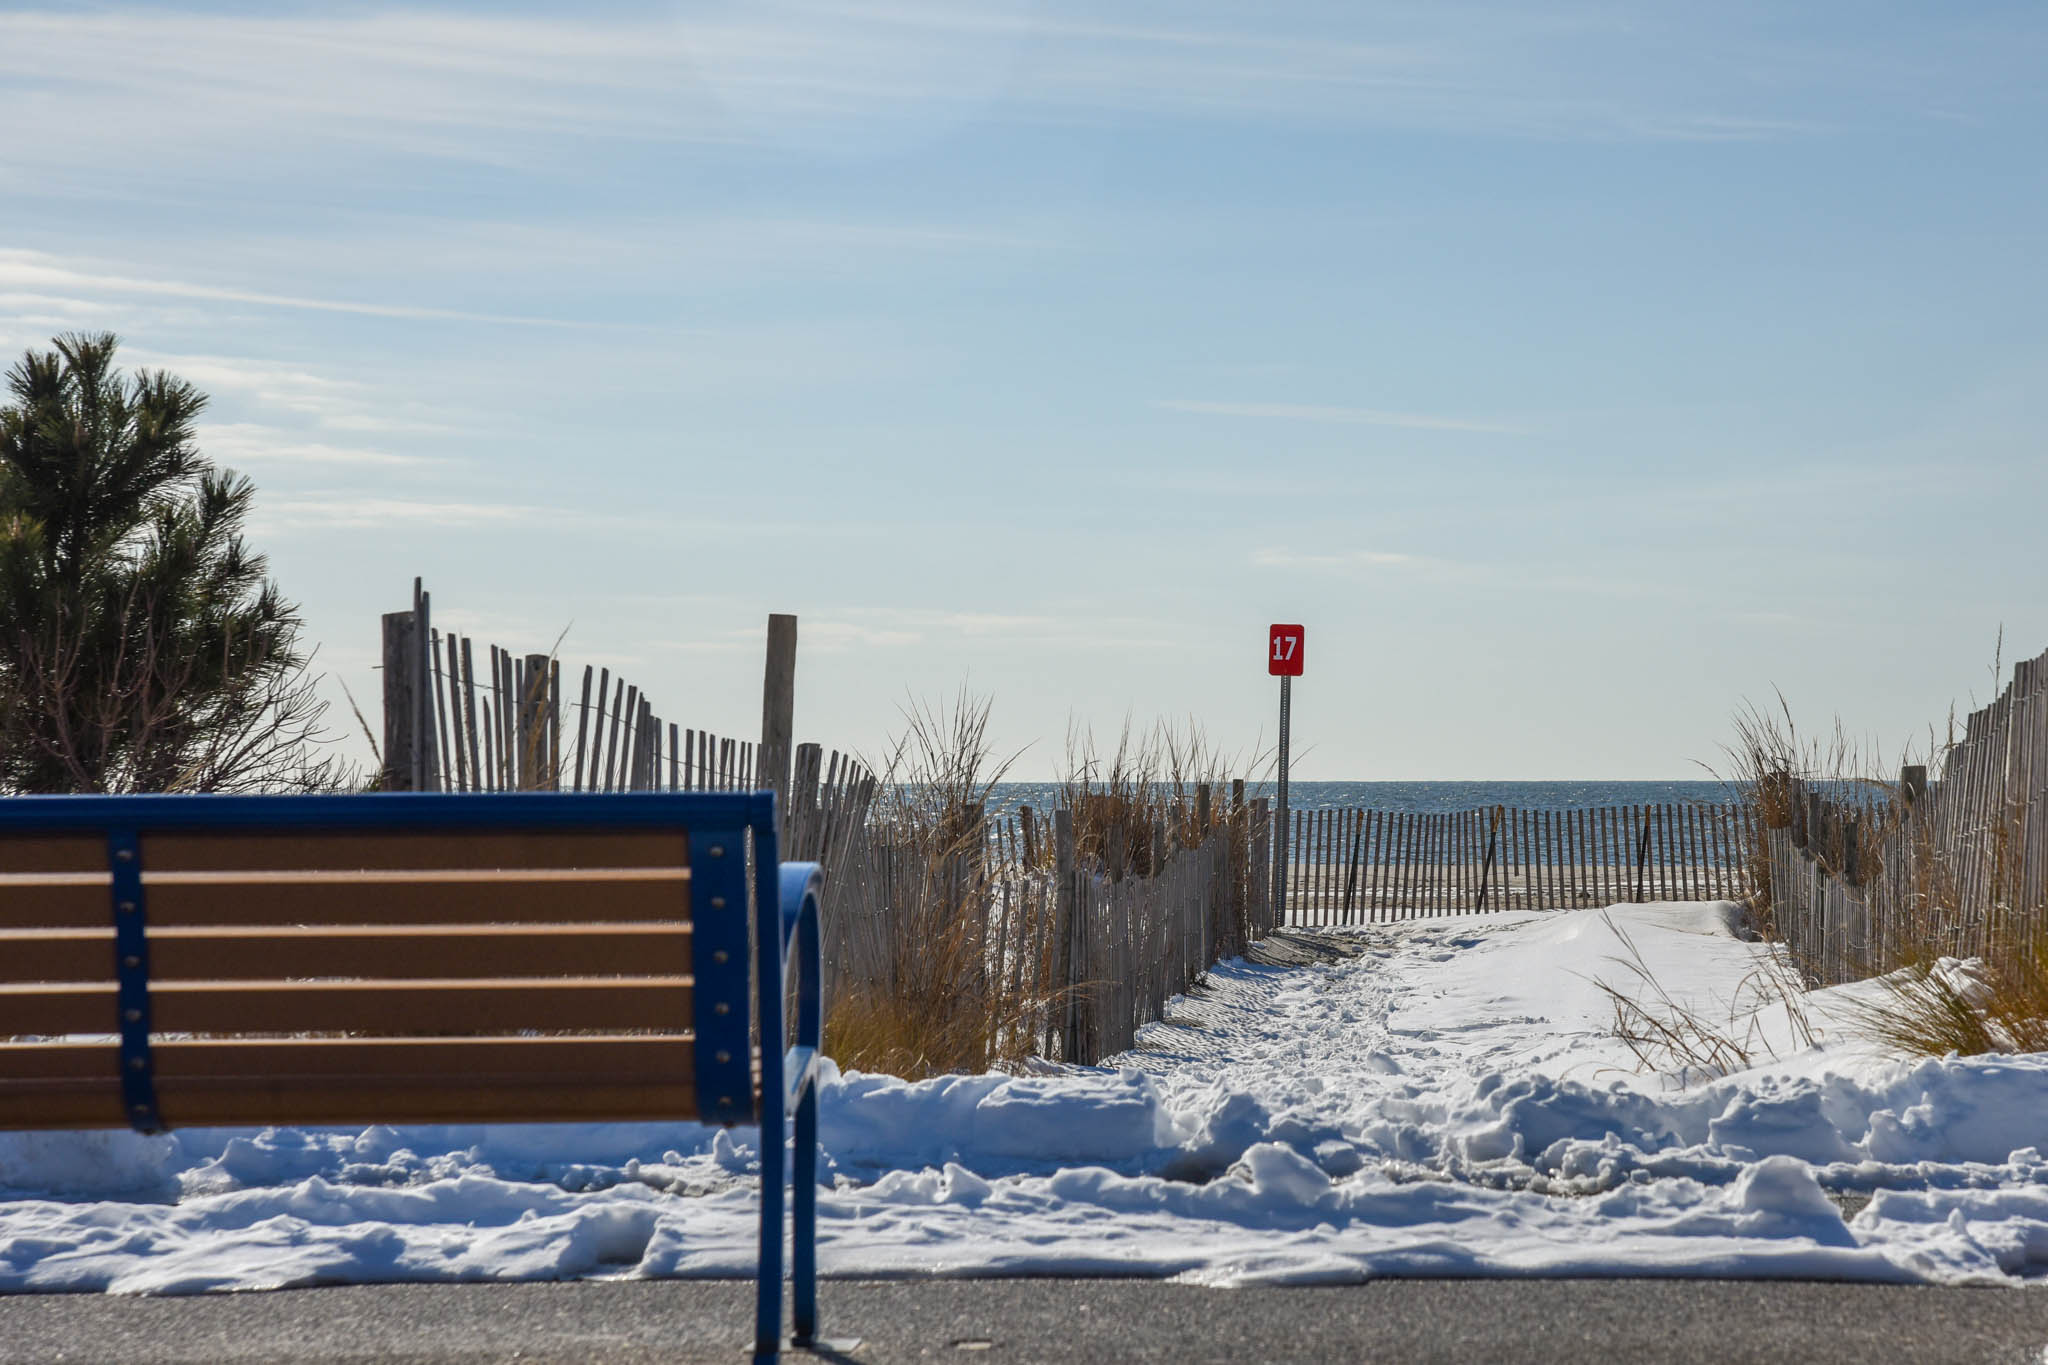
(1439, 1098)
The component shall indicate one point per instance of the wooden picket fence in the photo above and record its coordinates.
(1076, 955)
(1358, 866)
(1863, 877)
(509, 732)
(1127, 938)
(460, 716)
(512, 728)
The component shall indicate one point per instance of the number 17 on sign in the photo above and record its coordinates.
(1286, 646)
(1285, 659)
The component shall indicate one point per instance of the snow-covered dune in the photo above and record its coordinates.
(1450, 1099)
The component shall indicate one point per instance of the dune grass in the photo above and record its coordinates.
(1932, 1003)
(1934, 1007)
(943, 953)
(922, 934)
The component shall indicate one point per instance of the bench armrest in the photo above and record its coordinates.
(800, 886)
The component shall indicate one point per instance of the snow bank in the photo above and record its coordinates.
(1449, 1101)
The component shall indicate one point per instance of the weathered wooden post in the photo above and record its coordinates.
(1642, 854)
(646, 728)
(1071, 938)
(533, 747)
(1241, 928)
(1351, 862)
(1857, 899)
(435, 713)
(408, 698)
(1914, 841)
(778, 707)
(1486, 868)
(400, 769)
(800, 825)
(1261, 857)
(429, 754)
(554, 724)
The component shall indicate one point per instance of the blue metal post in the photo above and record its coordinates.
(768, 1004)
(131, 975)
(803, 881)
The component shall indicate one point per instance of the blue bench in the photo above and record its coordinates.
(223, 961)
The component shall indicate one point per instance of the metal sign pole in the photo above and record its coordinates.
(1281, 830)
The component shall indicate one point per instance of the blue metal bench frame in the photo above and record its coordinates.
(724, 829)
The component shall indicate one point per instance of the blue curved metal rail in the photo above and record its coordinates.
(802, 887)
(788, 897)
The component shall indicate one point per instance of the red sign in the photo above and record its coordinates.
(1283, 657)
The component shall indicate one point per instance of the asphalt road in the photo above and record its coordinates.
(1065, 1322)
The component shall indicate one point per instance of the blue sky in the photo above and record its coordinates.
(1573, 372)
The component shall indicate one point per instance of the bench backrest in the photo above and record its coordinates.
(389, 958)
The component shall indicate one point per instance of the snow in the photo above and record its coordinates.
(1450, 1099)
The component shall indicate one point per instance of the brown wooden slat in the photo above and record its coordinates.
(63, 854)
(55, 907)
(393, 876)
(371, 1008)
(56, 955)
(248, 1081)
(188, 904)
(393, 952)
(586, 950)
(501, 1060)
(192, 904)
(438, 849)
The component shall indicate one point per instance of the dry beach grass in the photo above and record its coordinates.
(948, 961)
(1930, 1004)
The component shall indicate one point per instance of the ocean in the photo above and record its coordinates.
(1430, 797)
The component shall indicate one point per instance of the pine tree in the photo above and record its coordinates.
(141, 647)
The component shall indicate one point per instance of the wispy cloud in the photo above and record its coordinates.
(230, 89)
(818, 636)
(835, 636)
(337, 404)
(1224, 483)
(1786, 619)
(1341, 559)
(1087, 628)
(355, 512)
(1371, 417)
(52, 309)
(408, 513)
(285, 389)
(1533, 577)
(35, 270)
(239, 443)
(967, 622)
(732, 645)
(852, 628)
